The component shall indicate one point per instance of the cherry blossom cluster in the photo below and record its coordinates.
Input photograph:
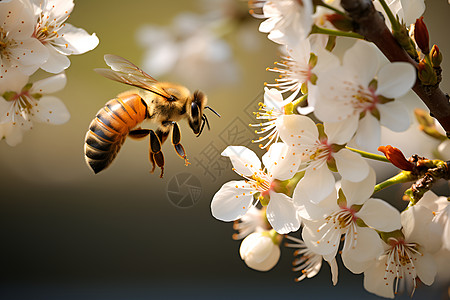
(319, 125)
(34, 35)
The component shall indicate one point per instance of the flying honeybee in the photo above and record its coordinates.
(161, 103)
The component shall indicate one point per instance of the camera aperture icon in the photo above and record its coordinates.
(184, 190)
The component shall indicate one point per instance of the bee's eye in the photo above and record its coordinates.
(194, 110)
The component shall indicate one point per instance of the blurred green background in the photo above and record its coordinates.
(69, 234)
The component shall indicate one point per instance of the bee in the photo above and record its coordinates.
(160, 103)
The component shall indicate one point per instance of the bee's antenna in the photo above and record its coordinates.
(205, 120)
(212, 111)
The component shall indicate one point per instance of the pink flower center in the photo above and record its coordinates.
(401, 260)
(364, 99)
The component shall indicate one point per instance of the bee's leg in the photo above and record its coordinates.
(176, 137)
(138, 133)
(162, 133)
(155, 154)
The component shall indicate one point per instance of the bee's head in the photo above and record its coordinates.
(196, 117)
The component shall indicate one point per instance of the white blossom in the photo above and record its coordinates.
(407, 257)
(349, 94)
(440, 206)
(20, 108)
(354, 215)
(318, 152)
(259, 251)
(269, 112)
(406, 10)
(235, 198)
(298, 66)
(308, 262)
(19, 50)
(61, 39)
(287, 20)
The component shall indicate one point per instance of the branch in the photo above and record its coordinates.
(370, 23)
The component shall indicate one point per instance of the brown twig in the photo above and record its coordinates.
(427, 172)
(370, 23)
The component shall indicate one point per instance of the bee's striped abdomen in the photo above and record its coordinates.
(108, 130)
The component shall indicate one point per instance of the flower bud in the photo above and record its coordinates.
(396, 157)
(401, 35)
(341, 22)
(421, 36)
(435, 56)
(426, 74)
(259, 251)
(428, 125)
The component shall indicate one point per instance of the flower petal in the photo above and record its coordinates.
(351, 165)
(232, 201)
(410, 10)
(332, 102)
(380, 215)
(414, 221)
(430, 200)
(17, 19)
(75, 40)
(362, 59)
(51, 110)
(321, 238)
(368, 248)
(243, 159)
(394, 115)
(312, 211)
(334, 271)
(58, 8)
(297, 129)
(426, 268)
(56, 63)
(378, 281)
(6, 111)
(49, 85)
(318, 183)
(341, 132)
(13, 132)
(282, 214)
(395, 79)
(369, 133)
(30, 55)
(359, 192)
(281, 161)
(273, 99)
(276, 151)
(12, 81)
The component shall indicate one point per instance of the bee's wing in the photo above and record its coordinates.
(126, 72)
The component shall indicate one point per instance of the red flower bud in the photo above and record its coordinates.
(435, 56)
(396, 157)
(421, 36)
